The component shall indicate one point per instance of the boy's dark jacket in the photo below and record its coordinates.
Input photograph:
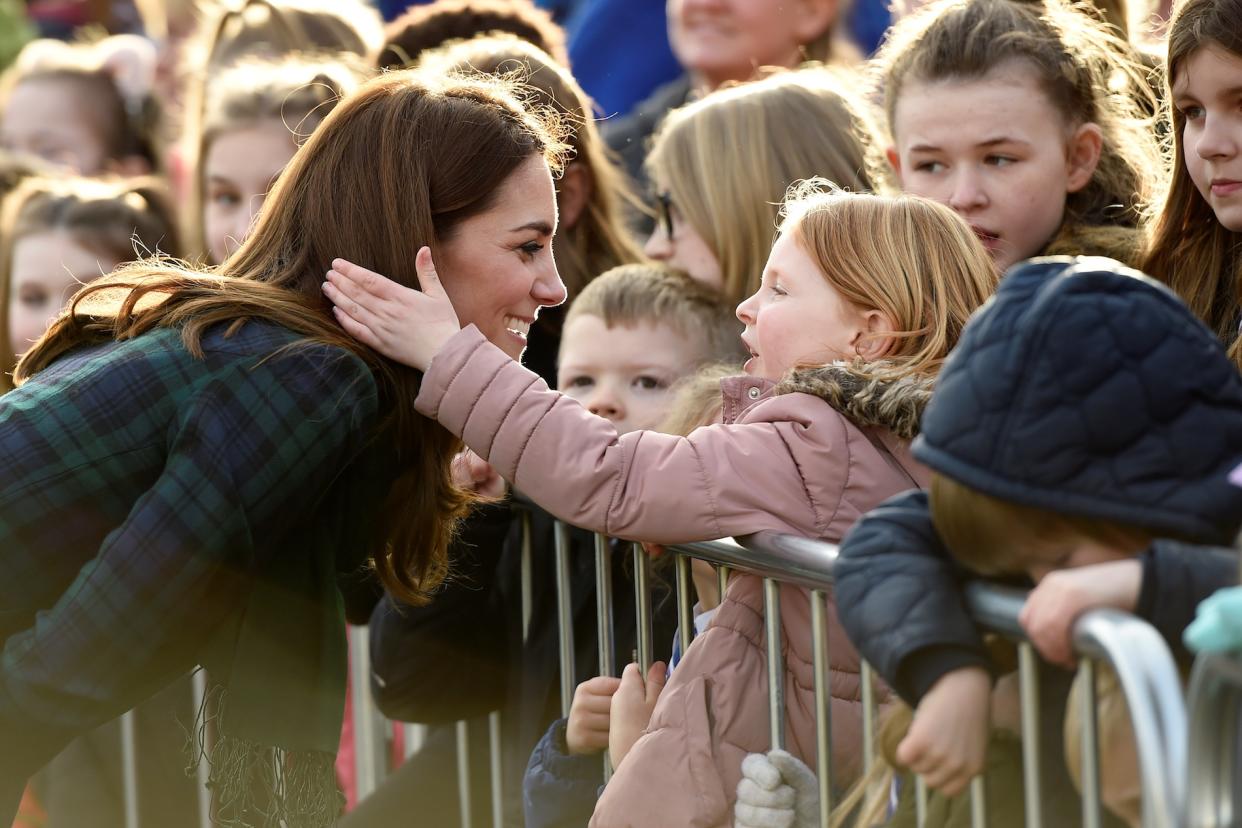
(1083, 388)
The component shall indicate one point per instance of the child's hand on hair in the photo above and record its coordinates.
(948, 738)
(1062, 596)
(587, 730)
(474, 474)
(632, 706)
(405, 325)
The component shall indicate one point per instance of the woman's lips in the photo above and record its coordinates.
(1225, 186)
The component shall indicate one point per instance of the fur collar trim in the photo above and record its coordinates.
(863, 393)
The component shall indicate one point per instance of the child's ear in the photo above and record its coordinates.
(894, 161)
(1083, 156)
(573, 193)
(870, 343)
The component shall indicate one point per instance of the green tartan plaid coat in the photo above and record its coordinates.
(142, 490)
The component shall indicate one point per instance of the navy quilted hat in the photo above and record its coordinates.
(1086, 388)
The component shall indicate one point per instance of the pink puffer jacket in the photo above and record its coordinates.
(808, 457)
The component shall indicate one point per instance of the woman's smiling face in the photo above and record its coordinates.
(497, 266)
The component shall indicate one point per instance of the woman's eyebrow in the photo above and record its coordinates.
(541, 227)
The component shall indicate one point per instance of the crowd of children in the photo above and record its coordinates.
(294, 300)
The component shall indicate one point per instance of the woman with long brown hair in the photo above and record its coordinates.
(192, 458)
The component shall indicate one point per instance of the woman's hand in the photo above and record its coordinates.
(402, 324)
(948, 739)
(632, 706)
(1062, 596)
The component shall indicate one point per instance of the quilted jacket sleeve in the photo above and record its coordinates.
(1176, 578)
(720, 481)
(560, 790)
(899, 598)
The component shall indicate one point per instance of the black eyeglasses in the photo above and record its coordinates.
(664, 204)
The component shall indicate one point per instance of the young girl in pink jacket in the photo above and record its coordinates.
(862, 298)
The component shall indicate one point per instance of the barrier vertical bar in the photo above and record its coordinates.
(1090, 746)
(642, 606)
(603, 607)
(368, 725)
(776, 666)
(494, 746)
(129, 768)
(823, 703)
(685, 607)
(565, 620)
(867, 678)
(1028, 693)
(463, 772)
(413, 736)
(604, 620)
(978, 802)
(202, 771)
(722, 580)
(526, 575)
(920, 802)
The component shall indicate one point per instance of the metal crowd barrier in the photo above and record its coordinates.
(1145, 669)
(1214, 796)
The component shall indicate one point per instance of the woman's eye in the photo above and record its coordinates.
(34, 298)
(649, 383)
(1000, 160)
(225, 199)
(1192, 113)
(531, 249)
(929, 166)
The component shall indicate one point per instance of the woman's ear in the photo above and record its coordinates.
(1083, 156)
(573, 193)
(870, 342)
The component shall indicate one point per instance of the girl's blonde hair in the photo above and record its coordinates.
(599, 241)
(1089, 73)
(117, 220)
(913, 259)
(992, 536)
(766, 134)
(1187, 247)
(297, 92)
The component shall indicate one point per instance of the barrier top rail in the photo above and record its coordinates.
(1141, 659)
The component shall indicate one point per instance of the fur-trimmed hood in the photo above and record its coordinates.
(868, 394)
(1117, 242)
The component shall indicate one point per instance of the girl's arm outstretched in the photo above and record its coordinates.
(720, 481)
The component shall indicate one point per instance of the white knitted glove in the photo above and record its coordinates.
(777, 791)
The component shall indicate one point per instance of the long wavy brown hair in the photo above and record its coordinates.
(1187, 247)
(396, 166)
